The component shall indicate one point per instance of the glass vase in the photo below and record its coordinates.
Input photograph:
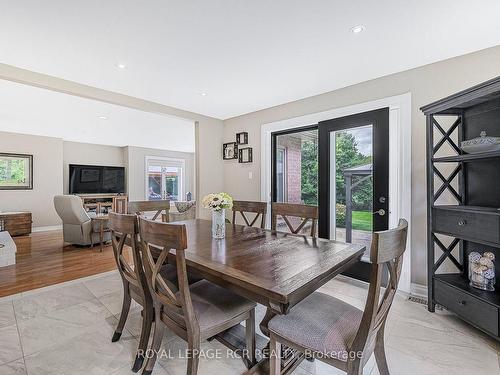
(219, 224)
(482, 270)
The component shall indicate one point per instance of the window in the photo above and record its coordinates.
(165, 179)
(16, 172)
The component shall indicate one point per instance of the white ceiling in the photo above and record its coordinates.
(30, 110)
(245, 54)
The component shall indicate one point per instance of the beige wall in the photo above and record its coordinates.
(209, 164)
(89, 154)
(426, 84)
(136, 181)
(47, 177)
(51, 159)
(209, 130)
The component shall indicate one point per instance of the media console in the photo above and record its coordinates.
(103, 203)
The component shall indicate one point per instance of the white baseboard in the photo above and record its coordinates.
(419, 290)
(46, 229)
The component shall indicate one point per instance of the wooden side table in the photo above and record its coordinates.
(102, 220)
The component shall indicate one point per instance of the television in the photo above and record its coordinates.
(95, 179)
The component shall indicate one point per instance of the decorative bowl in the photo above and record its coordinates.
(481, 144)
(184, 206)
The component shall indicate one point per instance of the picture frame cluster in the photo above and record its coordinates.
(232, 150)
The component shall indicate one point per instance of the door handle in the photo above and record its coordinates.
(381, 212)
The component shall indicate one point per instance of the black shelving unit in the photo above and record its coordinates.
(473, 222)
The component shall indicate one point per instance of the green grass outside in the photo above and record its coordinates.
(362, 220)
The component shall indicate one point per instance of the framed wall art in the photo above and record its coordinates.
(245, 155)
(229, 151)
(16, 171)
(242, 138)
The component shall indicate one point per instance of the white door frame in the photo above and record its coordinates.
(399, 160)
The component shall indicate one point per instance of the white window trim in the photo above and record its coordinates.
(399, 160)
(175, 162)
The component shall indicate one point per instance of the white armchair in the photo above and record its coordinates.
(77, 224)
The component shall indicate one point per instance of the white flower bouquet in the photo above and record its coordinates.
(217, 202)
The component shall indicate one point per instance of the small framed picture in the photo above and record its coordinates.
(242, 138)
(229, 151)
(16, 172)
(245, 155)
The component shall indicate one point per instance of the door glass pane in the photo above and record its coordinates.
(353, 193)
(172, 181)
(280, 175)
(164, 179)
(297, 167)
(154, 183)
(297, 171)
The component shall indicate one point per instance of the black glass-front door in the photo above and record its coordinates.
(353, 180)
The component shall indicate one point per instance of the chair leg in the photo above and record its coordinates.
(155, 347)
(250, 336)
(147, 321)
(379, 352)
(355, 368)
(124, 314)
(274, 356)
(194, 357)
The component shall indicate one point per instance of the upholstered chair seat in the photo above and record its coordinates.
(214, 306)
(321, 323)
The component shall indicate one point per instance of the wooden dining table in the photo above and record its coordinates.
(275, 269)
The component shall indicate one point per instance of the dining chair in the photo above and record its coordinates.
(125, 231)
(195, 312)
(259, 208)
(289, 211)
(161, 207)
(337, 333)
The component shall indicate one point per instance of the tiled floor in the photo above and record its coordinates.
(66, 329)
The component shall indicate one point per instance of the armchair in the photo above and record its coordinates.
(77, 224)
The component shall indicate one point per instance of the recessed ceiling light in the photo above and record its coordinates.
(103, 117)
(203, 93)
(357, 29)
(121, 66)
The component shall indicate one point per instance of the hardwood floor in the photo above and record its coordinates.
(42, 260)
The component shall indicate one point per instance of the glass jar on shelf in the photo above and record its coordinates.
(482, 270)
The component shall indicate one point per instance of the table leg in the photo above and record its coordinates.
(290, 358)
(101, 234)
(265, 321)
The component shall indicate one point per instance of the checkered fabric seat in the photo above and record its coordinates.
(320, 323)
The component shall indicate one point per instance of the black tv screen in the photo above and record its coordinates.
(94, 179)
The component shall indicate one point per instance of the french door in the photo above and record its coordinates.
(353, 180)
(342, 166)
(164, 179)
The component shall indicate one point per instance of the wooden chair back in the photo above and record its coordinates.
(387, 250)
(124, 230)
(159, 207)
(259, 208)
(302, 211)
(175, 308)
